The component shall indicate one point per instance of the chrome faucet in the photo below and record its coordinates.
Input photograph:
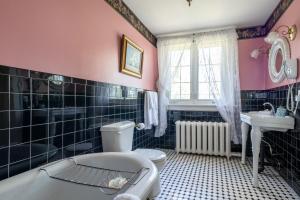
(272, 107)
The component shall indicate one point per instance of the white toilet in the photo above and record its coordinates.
(118, 137)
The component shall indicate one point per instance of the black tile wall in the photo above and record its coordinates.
(46, 117)
(285, 146)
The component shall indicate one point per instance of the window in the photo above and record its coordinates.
(208, 56)
(181, 76)
(191, 77)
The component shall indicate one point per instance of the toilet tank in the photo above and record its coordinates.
(117, 137)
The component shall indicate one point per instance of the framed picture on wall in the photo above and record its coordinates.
(131, 58)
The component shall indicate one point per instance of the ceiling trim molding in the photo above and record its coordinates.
(127, 13)
(277, 13)
(251, 32)
(262, 31)
(243, 33)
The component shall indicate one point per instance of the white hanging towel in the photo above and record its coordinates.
(150, 109)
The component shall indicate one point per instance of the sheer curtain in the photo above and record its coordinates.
(226, 94)
(170, 53)
(204, 48)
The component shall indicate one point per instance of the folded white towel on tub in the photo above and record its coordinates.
(126, 196)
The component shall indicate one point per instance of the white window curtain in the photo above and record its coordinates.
(226, 96)
(170, 52)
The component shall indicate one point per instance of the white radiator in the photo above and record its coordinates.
(207, 138)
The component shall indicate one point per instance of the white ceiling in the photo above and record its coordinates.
(172, 16)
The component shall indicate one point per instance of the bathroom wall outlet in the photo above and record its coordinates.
(291, 68)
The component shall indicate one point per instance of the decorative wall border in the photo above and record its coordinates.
(261, 31)
(243, 33)
(125, 11)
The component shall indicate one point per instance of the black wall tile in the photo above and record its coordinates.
(13, 71)
(39, 86)
(4, 83)
(19, 84)
(19, 152)
(56, 87)
(39, 116)
(39, 101)
(80, 89)
(3, 172)
(69, 89)
(4, 138)
(19, 167)
(4, 156)
(80, 101)
(39, 147)
(39, 132)
(90, 90)
(19, 101)
(69, 126)
(4, 122)
(79, 81)
(55, 129)
(55, 101)
(69, 101)
(4, 101)
(19, 135)
(53, 117)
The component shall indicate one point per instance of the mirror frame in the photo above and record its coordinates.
(281, 43)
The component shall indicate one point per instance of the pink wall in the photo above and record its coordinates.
(76, 38)
(252, 73)
(290, 17)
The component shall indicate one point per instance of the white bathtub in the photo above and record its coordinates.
(37, 185)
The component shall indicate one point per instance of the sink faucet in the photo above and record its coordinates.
(272, 107)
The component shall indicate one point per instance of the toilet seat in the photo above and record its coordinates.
(156, 156)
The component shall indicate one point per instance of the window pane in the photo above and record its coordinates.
(203, 56)
(180, 88)
(216, 73)
(175, 58)
(185, 97)
(175, 75)
(185, 74)
(218, 89)
(202, 77)
(215, 54)
(180, 58)
(185, 61)
(185, 88)
(175, 91)
(203, 91)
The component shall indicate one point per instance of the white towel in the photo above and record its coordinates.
(126, 196)
(150, 109)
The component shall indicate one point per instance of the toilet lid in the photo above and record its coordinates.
(152, 154)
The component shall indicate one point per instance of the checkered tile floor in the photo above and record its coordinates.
(191, 177)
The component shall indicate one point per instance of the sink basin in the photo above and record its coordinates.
(268, 122)
(260, 122)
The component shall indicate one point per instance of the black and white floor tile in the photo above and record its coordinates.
(193, 177)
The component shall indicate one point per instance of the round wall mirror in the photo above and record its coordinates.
(279, 52)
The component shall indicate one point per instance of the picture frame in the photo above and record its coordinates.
(131, 58)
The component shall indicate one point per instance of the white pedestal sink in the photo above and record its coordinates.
(261, 122)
